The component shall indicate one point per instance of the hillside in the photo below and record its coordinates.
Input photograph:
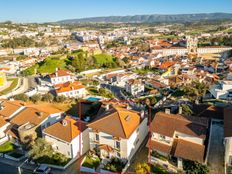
(152, 18)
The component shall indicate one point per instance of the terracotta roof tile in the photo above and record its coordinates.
(67, 129)
(116, 121)
(167, 124)
(69, 86)
(188, 150)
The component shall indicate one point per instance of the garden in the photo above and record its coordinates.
(7, 147)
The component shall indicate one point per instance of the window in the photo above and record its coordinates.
(117, 144)
(162, 137)
(118, 155)
(68, 153)
(230, 160)
(57, 148)
(96, 137)
(48, 124)
(137, 141)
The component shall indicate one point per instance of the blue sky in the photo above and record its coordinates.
(54, 10)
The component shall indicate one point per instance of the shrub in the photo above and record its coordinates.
(22, 97)
(36, 98)
(60, 99)
(48, 97)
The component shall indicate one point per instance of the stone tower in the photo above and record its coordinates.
(192, 43)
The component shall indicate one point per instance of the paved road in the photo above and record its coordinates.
(9, 169)
(216, 151)
(115, 90)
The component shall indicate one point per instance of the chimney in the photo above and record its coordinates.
(56, 72)
(180, 110)
(39, 114)
(64, 123)
(142, 114)
(167, 111)
(107, 106)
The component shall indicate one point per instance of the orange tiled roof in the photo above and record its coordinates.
(116, 121)
(188, 150)
(66, 131)
(9, 107)
(60, 73)
(68, 86)
(167, 64)
(167, 124)
(31, 115)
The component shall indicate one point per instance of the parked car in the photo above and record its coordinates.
(42, 169)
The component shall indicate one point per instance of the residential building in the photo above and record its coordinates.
(178, 136)
(60, 76)
(70, 89)
(117, 131)
(68, 136)
(31, 120)
(222, 90)
(134, 87)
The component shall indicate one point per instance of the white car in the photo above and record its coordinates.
(43, 169)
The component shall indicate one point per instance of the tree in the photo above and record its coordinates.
(48, 97)
(193, 167)
(42, 152)
(22, 97)
(60, 99)
(186, 110)
(143, 168)
(36, 98)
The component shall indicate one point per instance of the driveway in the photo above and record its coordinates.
(216, 151)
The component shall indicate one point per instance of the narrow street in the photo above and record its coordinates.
(216, 151)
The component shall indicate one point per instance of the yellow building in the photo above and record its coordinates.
(2, 79)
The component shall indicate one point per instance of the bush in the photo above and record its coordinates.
(48, 97)
(42, 152)
(143, 168)
(192, 167)
(22, 97)
(115, 165)
(60, 99)
(36, 98)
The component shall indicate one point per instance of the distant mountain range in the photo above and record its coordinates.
(152, 18)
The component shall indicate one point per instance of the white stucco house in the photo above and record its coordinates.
(68, 136)
(134, 87)
(222, 90)
(70, 89)
(60, 76)
(177, 136)
(117, 132)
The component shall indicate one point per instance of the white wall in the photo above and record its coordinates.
(228, 150)
(137, 138)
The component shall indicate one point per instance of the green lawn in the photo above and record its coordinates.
(11, 87)
(91, 162)
(7, 147)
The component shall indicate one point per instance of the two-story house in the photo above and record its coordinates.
(60, 76)
(117, 131)
(134, 87)
(178, 136)
(71, 89)
(222, 90)
(68, 136)
(30, 121)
